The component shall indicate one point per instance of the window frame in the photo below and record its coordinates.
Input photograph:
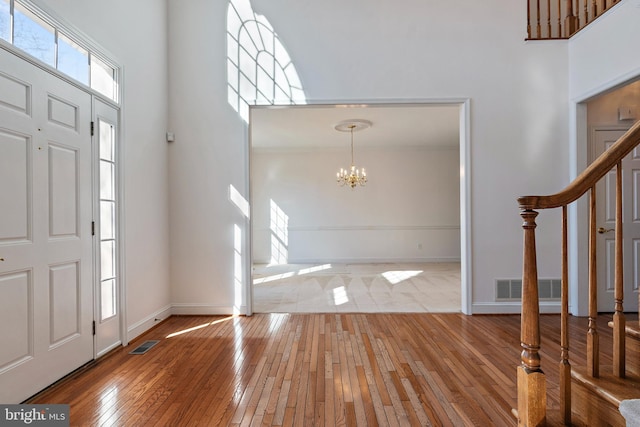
(78, 38)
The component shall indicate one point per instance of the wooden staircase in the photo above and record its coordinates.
(589, 393)
(632, 360)
(596, 400)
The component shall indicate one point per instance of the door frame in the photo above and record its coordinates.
(119, 216)
(120, 187)
(578, 212)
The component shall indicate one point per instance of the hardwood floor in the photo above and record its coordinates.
(315, 370)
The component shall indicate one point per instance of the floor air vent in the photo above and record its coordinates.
(144, 347)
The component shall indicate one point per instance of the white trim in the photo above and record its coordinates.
(247, 290)
(368, 148)
(108, 349)
(370, 228)
(466, 233)
(466, 287)
(203, 309)
(546, 307)
(121, 176)
(620, 81)
(145, 324)
(385, 260)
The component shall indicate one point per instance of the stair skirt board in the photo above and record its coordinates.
(144, 347)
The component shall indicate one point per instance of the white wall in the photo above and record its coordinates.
(357, 51)
(134, 32)
(409, 211)
(613, 39)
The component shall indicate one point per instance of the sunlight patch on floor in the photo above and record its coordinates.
(395, 277)
(195, 328)
(340, 296)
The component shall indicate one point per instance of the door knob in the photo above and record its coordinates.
(603, 230)
(1, 259)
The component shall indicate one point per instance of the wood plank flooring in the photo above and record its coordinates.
(316, 370)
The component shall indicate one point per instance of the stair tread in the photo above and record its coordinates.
(609, 387)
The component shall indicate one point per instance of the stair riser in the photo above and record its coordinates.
(593, 410)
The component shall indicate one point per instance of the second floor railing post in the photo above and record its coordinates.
(570, 21)
(559, 21)
(538, 27)
(532, 389)
(529, 19)
(549, 18)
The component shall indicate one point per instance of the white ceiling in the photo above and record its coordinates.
(394, 125)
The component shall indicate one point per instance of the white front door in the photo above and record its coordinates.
(606, 216)
(108, 303)
(46, 293)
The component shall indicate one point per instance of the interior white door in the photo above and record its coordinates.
(46, 294)
(606, 215)
(108, 303)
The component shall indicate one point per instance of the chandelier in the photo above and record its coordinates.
(353, 176)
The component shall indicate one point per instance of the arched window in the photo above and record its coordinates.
(259, 70)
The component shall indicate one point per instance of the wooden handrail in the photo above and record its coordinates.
(589, 177)
(531, 379)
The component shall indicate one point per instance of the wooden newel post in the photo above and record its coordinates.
(532, 389)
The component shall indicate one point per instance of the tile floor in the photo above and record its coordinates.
(362, 288)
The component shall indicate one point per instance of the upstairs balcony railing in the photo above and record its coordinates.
(560, 19)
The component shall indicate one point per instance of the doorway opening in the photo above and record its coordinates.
(599, 122)
(364, 249)
(609, 116)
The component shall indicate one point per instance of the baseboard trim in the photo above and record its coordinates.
(546, 307)
(204, 309)
(147, 323)
(373, 260)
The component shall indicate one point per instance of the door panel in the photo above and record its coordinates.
(63, 191)
(16, 169)
(64, 289)
(15, 318)
(15, 94)
(606, 215)
(46, 291)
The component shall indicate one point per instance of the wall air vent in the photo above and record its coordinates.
(511, 289)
